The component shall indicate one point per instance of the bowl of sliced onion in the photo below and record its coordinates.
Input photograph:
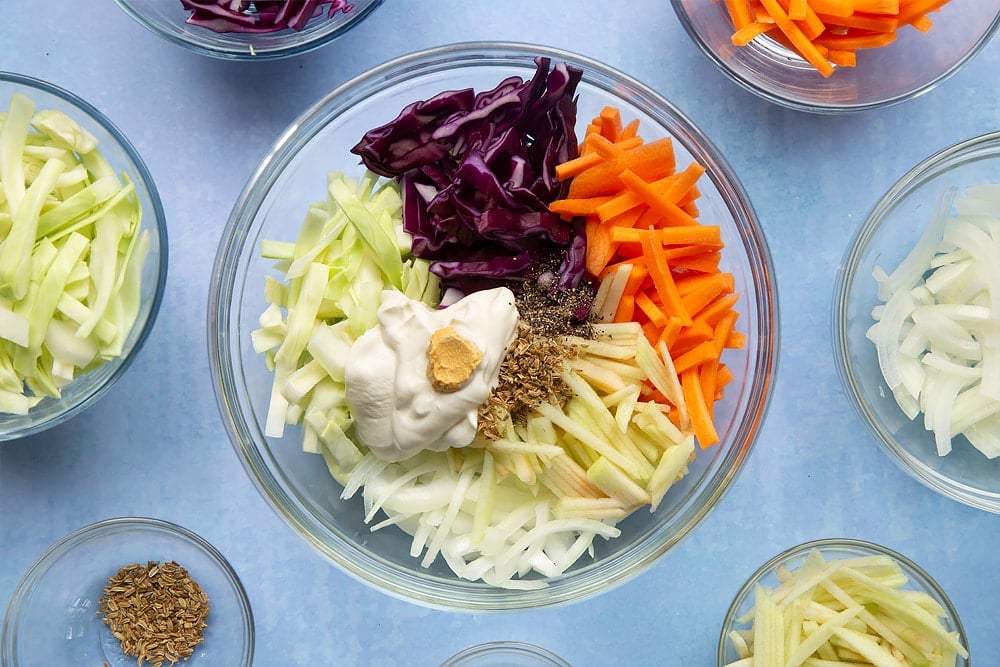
(917, 322)
(439, 367)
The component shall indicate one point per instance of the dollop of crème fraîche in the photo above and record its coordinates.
(416, 380)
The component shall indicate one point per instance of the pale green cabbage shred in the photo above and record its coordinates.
(71, 255)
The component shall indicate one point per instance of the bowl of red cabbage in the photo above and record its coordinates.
(917, 322)
(83, 255)
(493, 327)
(249, 30)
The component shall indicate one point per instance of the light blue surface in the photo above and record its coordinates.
(155, 445)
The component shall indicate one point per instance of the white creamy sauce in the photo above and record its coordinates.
(396, 410)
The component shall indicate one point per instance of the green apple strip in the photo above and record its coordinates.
(844, 612)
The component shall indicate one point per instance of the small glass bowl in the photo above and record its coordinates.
(168, 19)
(886, 236)
(914, 64)
(832, 549)
(505, 654)
(123, 158)
(299, 486)
(54, 619)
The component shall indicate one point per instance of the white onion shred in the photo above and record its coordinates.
(937, 332)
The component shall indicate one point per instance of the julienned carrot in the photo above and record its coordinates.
(828, 33)
(646, 246)
(650, 160)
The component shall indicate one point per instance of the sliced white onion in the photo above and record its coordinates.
(937, 333)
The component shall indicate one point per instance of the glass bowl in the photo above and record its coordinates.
(87, 388)
(890, 231)
(53, 617)
(298, 486)
(505, 654)
(912, 65)
(168, 19)
(832, 549)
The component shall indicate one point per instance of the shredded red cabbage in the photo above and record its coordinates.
(259, 16)
(477, 174)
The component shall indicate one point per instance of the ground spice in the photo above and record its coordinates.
(531, 373)
(156, 611)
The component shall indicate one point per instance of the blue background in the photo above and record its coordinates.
(202, 125)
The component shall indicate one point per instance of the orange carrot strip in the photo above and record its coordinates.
(676, 187)
(611, 122)
(857, 41)
(600, 247)
(689, 336)
(663, 281)
(797, 9)
(706, 262)
(630, 130)
(877, 6)
(842, 58)
(697, 406)
(683, 183)
(739, 12)
(674, 253)
(697, 355)
(917, 8)
(723, 330)
(656, 316)
(713, 313)
(707, 375)
(704, 235)
(737, 340)
(922, 23)
(662, 206)
(802, 44)
(749, 32)
(571, 168)
(608, 149)
(626, 307)
(636, 277)
(574, 207)
(875, 23)
(833, 7)
(723, 377)
(651, 160)
(670, 332)
(708, 288)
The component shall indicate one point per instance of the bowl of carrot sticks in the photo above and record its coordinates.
(838, 56)
(917, 322)
(588, 310)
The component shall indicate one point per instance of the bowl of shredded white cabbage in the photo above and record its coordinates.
(498, 523)
(83, 255)
(917, 322)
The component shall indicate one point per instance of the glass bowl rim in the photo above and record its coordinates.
(926, 582)
(65, 545)
(817, 106)
(411, 585)
(926, 169)
(506, 646)
(297, 44)
(162, 256)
